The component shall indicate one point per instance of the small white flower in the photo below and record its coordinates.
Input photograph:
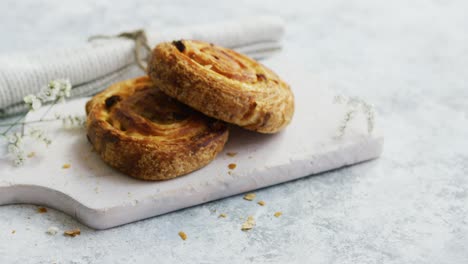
(15, 139)
(354, 104)
(52, 230)
(339, 99)
(19, 161)
(72, 120)
(13, 149)
(64, 88)
(32, 102)
(40, 136)
(12, 139)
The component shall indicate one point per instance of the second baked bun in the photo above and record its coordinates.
(146, 134)
(223, 84)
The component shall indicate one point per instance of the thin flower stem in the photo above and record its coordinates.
(28, 122)
(48, 109)
(13, 125)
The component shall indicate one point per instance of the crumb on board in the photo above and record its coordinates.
(42, 210)
(72, 232)
(249, 224)
(232, 166)
(231, 154)
(182, 235)
(261, 203)
(250, 196)
(278, 214)
(31, 154)
(229, 172)
(222, 215)
(66, 166)
(13, 231)
(52, 230)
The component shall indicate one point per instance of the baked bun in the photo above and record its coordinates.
(222, 84)
(144, 133)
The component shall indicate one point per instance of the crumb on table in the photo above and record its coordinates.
(278, 214)
(42, 210)
(73, 232)
(249, 224)
(231, 154)
(182, 235)
(261, 203)
(13, 231)
(250, 196)
(66, 166)
(232, 166)
(31, 154)
(222, 215)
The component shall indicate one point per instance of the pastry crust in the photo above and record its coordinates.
(222, 84)
(142, 132)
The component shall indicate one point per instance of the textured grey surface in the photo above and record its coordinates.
(409, 58)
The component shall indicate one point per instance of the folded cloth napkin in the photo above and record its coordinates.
(99, 63)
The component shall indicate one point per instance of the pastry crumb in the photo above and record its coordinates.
(52, 230)
(249, 224)
(182, 235)
(231, 154)
(222, 216)
(13, 231)
(278, 214)
(250, 196)
(229, 172)
(73, 232)
(261, 203)
(232, 166)
(42, 210)
(31, 154)
(66, 166)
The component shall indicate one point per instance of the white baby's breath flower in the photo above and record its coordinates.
(58, 89)
(15, 139)
(353, 105)
(12, 138)
(32, 102)
(64, 88)
(52, 230)
(70, 121)
(40, 136)
(15, 148)
(19, 161)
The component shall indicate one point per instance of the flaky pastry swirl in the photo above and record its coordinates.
(222, 84)
(146, 134)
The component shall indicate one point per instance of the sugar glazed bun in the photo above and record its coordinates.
(142, 132)
(222, 84)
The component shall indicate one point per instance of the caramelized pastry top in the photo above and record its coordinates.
(223, 84)
(136, 114)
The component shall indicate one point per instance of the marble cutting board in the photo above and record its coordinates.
(101, 197)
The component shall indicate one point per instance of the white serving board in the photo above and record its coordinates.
(101, 197)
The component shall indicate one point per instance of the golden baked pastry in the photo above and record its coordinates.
(144, 133)
(223, 84)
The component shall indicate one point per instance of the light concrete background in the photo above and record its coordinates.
(409, 58)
